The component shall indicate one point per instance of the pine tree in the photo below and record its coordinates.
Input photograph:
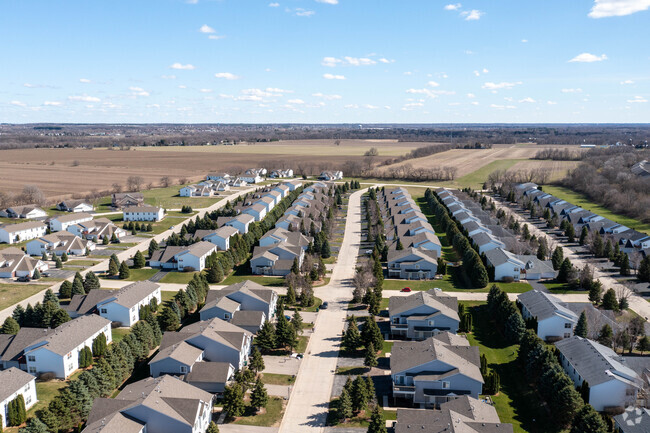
(233, 401)
(583, 235)
(352, 338)
(644, 270)
(259, 396)
(644, 344)
(266, 337)
(10, 326)
(344, 405)
(595, 292)
(325, 251)
(557, 258)
(606, 335)
(587, 420)
(99, 346)
(35, 425)
(377, 421)
(564, 273)
(290, 299)
(113, 266)
(64, 257)
(581, 329)
(124, 271)
(296, 322)
(138, 260)
(514, 327)
(36, 275)
(91, 282)
(370, 359)
(58, 263)
(168, 320)
(609, 300)
(370, 334)
(78, 287)
(625, 265)
(359, 394)
(153, 246)
(212, 428)
(484, 366)
(215, 274)
(256, 361)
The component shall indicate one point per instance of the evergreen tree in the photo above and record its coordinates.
(296, 322)
(266, 337)
(581, 329)
(644, 270)
(564, 273)
(259, 396)
(542, 251)
(64, 257)
(34, 425)
(595, 292)
(583, 235)
(36, 275)
(233, 401)
(99, 346)
(290, 299)
(113, 266)
(78, 287)
(484, 366)
(65, 291)
(370, 334)
(215, 274)
(587, 420)
(325, 250)
(514, 327)
(295, 269)
(58, 263)
(625, 265)
(557, 258)
(153, 246)
(606, 335)
(359, 394)
(352, 338)
(377, 421)
(138, 260)
(344, 405)
(644, 344)
(370, 359)
(124, 271)
(256, 361)
(609, 300)
(212, 428)
(91, 282)
(10, 326)
(85, 357)
(168, 320)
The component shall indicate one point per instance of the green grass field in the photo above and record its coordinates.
(580, 200)
(136, 275)
(271, 417)
(447, 284)
(118, 334)
(242, 273)
(10, 294)
(178, 277)
(169, 198)
(476, 178)
(517, 403)
(278, 379)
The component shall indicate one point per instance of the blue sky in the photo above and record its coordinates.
(329, 61)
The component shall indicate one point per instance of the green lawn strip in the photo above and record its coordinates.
(562, 288)
(579, 199)
(118, 334)
(45, 392)
(181, 214)
(351, 371)
(272, 416)
(303, 340)
(476, 178)
(135, 275)
(169, 198)
(387, 347)
(518, 403)
(178, 277)
(167, 296)
(82, 262)
(242, 273)
(447, 285)
(330, 260)
(18, 245)
(11, 294)
(278, 379)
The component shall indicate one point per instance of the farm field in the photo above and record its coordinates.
(556, 169)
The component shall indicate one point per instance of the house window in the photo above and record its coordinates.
(31, 358)
(567, 326)
(104, 311)
(69, 355)
(226, 316)
(445, 385)
(32, 369)
(396, 320)
(29, 400)
(70, 367)
(183, 369)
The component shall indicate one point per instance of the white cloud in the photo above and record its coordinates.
(257, 92)
(384, 60)
(333, 77)
(248, 98)
(216, 37)
(577, 90)
(182, 86)
(168, 77)
(471, 95)
(627, 82)
(472, 15)
(276, 90)
(433, 84)
(413, 105)
(359, 61)
(477, 73)
(296, 101)
(617, 8)
(31, 86)
(474, 103)
(551, 102)
(452, 7)
(588, 58)
(329, 2)
(304, 12)
(502, 85)
(485, 71)
(502, 107)
(351, 106)
(528, 99)
(138, 91)
(84, 98)
(430, 93)
(205, 90)
(207, 29)
(192, 2)
(84, 80)
(408, 73)
(523, 41)
(327, 97)
(18, 103)
(52, 103)
(637, 99)
(370, 107)
(347, 60)
(226, 75)
(274, 5)
(180, 66)
(331, 61)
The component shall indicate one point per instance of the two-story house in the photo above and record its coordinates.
(423, 314)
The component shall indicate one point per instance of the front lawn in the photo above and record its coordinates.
(11, 294)
(135, 275)
(278, 379)
(271, 417)
(447, 284)
(242, 273)
(518, 402)
(562, 288)
(118, 334)
(178, 277)
(169, 198)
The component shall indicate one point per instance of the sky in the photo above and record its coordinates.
(325, 61)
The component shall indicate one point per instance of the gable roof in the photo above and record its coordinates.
(12, 346)
(13, 379)
(544, 305)
(13, 228)
(182, 352)
(209, 372)
(435, 299)
(430, 256)
(130, 295)
(85, 304)
(70, 334)
(72, 217)
(499, 256)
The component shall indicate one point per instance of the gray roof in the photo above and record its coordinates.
(544, 305)
(423, 254)
(248, 318)
(12, 346)
(498, 256)
(85, 304)
(72, 217)
(594, 362)
(406, 355)
(435, 299)
(70, 334)
(142, 208)
(182, 352)
(12, 380)
(130, 295)
(483, 238)
(634, 420)
(13, 228)
(209, 372)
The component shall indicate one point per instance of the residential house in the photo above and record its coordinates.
(431, 372)
(15, 382)
(276, 259)
(59, 243)
(62, 222)
(124, 305)
(220, 237)
(58, 351)
(238, 298)
(14, 263)
(12, 233)
(278, 235)
(211, 376)
(486, 242)
(11, 346)
(252, 175)
(143, 213)
(641, 169)
(612, 384)
(331, 175)
(464, 414)
(126, 199)
(423, 241)
(506, 265)
(153, 405)
(292, 185)
(239, 182)
(221, 341)
(178, 358)
(536, 269)
(276, 196)
(632, 420)
(241, 223)
(97, 229)
(183, 258)
(412, 264)
(81, 305)
(257, 211)
(281, 173)
(29, 211)
(196, 191)
(75, 206)
(554, 319)
(423, 314)
(220, 177)
(283, 189)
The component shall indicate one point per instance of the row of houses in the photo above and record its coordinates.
(494, 241)
(629, 240)
(281, 246)
(32, 211)
(14, 263)
(206, 188)
(407, 227)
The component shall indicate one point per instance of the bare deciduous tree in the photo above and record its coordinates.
(165, 181)
(134, 183)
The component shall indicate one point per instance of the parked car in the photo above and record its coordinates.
(324, 306)
(406, 289)
(24, 279)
